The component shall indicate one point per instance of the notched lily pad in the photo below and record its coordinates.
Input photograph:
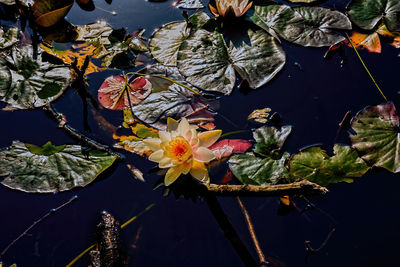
(315, 165)
(50, 168)
(267, 164)
(367, 14)
(28, 83)
(377, 137)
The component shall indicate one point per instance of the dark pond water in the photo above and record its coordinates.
(183, 233)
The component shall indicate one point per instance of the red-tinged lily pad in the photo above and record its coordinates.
(227, 147)
(113, 92)
(48, 13)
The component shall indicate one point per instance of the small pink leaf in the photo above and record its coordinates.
(227, 147)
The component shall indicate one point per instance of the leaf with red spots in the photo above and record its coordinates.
(114, 90)
(227, 147)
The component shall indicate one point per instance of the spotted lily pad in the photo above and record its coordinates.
(315, 165)
(8, 38)
(307, 26)
(209, 63)
(50, 168)
(28, 83)
(266, 165)
(377, 137)
(367, 14)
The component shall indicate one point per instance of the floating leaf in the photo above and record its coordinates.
(209, 63)
(8, 38)
(29, 83)
(133, 144)
(267, 164)
(113, 92)
(189, 4)
(307, 26)
(48, 13)
(94, 32)
(8, 2)
(137, 174)
(367, 14)
(50, 169)
(371, 42)
(259, 115)
(176, 103)
(165, 43)
(315, 165)
(377, 137)
(226, 147)
(142, 131)
(394, 36)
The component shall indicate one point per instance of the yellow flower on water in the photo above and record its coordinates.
(225, 7)
(182, 150)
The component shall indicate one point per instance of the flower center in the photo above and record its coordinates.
(178, 149)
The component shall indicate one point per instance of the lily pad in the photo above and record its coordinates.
(307, 26)
(94, 32)
(50, 169)
(267, 164)
(377, 137)
(8, 38)
(367, 14)
(165, 43)
(315, 165)
(8, 2)
(189, 4)
(48, 13)
(29, 83)
(209, 63)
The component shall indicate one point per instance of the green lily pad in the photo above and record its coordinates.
(307, 26)
(267, 164)
(29, 83)
(8, 38)
(250, 169)
(165, 43)
(51, 168)
(367, 14)
(209, 63)
(377, 137)
(315, 165)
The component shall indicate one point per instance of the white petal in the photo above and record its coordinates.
(164, 136)
(152, 143)
(165, 163)
(203, 154)
(157, 156)
(183, 126)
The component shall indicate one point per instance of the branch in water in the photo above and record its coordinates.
(303, 187)
(77, 135)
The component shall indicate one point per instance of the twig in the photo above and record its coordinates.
(229, 231)
(77, 135)
(250, 226)
(310, 250)
(52, 211)
(365, 67)
(303, 187)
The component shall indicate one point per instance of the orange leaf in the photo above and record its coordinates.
(371, 42)
(48, 13)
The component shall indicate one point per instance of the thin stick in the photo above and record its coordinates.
(250, 226)
(52, 211)
(365, 67)
(77, 135)
(303, 187)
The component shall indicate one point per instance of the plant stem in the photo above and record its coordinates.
(250, 226)
(52, 211)
(77, 135)
(365, 67)
(303, 187)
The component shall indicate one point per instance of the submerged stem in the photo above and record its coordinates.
(365, 67)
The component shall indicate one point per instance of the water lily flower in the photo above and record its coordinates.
(235, 7)
(182, 150)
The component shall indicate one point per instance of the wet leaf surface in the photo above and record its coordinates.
(189, 4)
(315, 165)
(8, 37)
(48, 13)
(208, 62)
(50, 168)
(367, 14)
(307, 26)
(29, 83)
(377, 136)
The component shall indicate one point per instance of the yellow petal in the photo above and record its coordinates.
(157, 156)
(208, 138)
(164, 136)
(203, 154)
(153, 144)
(172, 174)
(213, 10)
(186, 166)
(165, 163)
(172, 124)
(199, 171)
(183, 127)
